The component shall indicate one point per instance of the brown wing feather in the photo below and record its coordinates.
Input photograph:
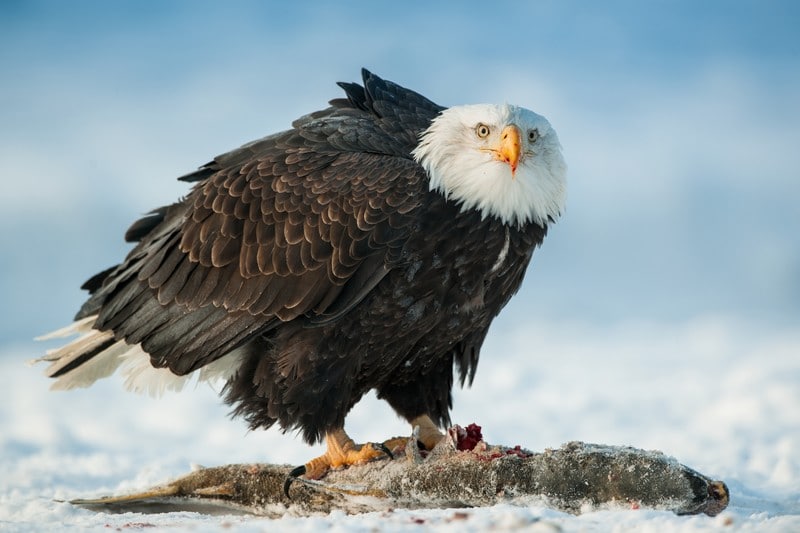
(249, 249)
(290, 240)
(301, 224)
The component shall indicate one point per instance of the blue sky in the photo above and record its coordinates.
(680, 123)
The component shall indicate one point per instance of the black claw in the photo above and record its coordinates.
(382, 447)
(294, 474)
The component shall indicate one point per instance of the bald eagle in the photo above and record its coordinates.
(369, 247)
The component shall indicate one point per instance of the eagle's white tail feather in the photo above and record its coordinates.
(83, 325)
(225, 367)
(100, 366)
(68, 354)
(140, 376)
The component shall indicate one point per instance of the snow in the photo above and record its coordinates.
(719, 394)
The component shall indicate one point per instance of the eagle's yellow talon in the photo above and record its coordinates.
(342, 452)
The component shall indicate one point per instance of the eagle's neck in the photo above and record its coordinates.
(487, 240)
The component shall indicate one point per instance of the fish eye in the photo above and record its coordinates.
(482, 131)
(533, 135)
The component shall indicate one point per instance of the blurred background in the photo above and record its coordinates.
(662, 310)
(680, 122)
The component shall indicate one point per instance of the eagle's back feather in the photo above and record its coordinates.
(300, 223)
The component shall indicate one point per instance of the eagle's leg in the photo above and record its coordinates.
(428, 435)
(342, 451)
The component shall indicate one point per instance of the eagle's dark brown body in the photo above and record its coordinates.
(430, 312)
(322, 260)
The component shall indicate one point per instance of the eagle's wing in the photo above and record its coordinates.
(303, 223)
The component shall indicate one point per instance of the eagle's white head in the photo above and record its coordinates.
(502, 160)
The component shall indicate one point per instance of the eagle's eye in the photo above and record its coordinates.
(482, 131)
(533, 135)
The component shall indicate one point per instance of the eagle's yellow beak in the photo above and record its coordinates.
(509, 148)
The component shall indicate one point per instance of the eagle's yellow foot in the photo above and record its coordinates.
(341, 452)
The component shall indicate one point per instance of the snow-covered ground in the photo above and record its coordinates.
(721, 395)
